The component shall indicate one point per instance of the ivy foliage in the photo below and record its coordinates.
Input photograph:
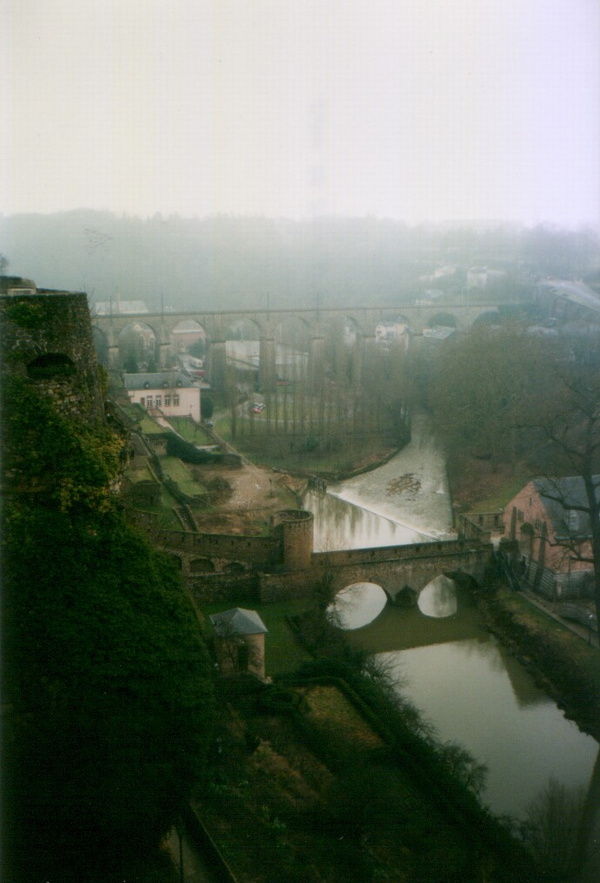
(68, 463)
(108, 683)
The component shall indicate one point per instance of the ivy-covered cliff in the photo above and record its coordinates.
(107, 694)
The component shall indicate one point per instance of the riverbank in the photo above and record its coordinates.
(324, 776)
(563, 665)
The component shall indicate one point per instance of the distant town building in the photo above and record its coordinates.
(481, 277)
(392, 332)
(168, 391)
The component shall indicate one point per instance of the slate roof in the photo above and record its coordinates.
(156, 380)
(238, 621)
(571, 491)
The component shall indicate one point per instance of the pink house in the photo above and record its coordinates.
(552, 532)
(169, 391)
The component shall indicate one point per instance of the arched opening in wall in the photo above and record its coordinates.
(100, 345)
(51, 366)
(202, 565)
(393, 332)
(292, 343)
(138, 348)
(442, 320)
(439, 599)
(188, 344)
(489, 317)
(356, 605)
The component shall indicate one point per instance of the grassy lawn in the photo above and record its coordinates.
(149, 427)
(143, 474)
(190, 431)
(166, 516)
(282, 651)
(178, 471)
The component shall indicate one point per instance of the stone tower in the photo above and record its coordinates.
(46, 338)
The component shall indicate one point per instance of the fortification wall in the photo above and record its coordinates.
(46, 338)
(258, 551)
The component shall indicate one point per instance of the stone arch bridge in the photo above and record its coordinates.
(217, 327)
(283, 564)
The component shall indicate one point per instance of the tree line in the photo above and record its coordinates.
(506, 396)
(223, 262)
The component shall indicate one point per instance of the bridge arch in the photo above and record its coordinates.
(243, 328)
(356, 605)
(293, 331)
(138, 347)
(188, 333)
(393, 329)
(439, 598)
(202, 565)
(443, 320)
(487, 317)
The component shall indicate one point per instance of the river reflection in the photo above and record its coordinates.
(476, 694)
(466, 692)
(438, 598)
(342, 525)
(357, 605)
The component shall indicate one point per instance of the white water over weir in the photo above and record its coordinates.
(463, 681)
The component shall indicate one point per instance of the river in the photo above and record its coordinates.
(459, 676)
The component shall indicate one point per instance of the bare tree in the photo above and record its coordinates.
(570, 425)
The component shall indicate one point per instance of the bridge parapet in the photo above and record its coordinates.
(397, 553)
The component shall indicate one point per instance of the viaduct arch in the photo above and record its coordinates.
(316, 322)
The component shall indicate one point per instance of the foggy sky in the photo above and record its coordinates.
(412, 109)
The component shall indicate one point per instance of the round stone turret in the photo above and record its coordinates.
(296, 526)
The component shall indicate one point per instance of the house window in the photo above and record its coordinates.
(158, 401)
(149, 402)
(175, 400)
(167, 401)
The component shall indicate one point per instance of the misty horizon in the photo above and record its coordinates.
(436, 113)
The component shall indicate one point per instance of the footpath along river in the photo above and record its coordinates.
(459, 676)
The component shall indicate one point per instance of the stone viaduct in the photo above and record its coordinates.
(283, 565)
(218, 327)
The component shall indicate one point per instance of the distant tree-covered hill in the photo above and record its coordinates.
(225, 262)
